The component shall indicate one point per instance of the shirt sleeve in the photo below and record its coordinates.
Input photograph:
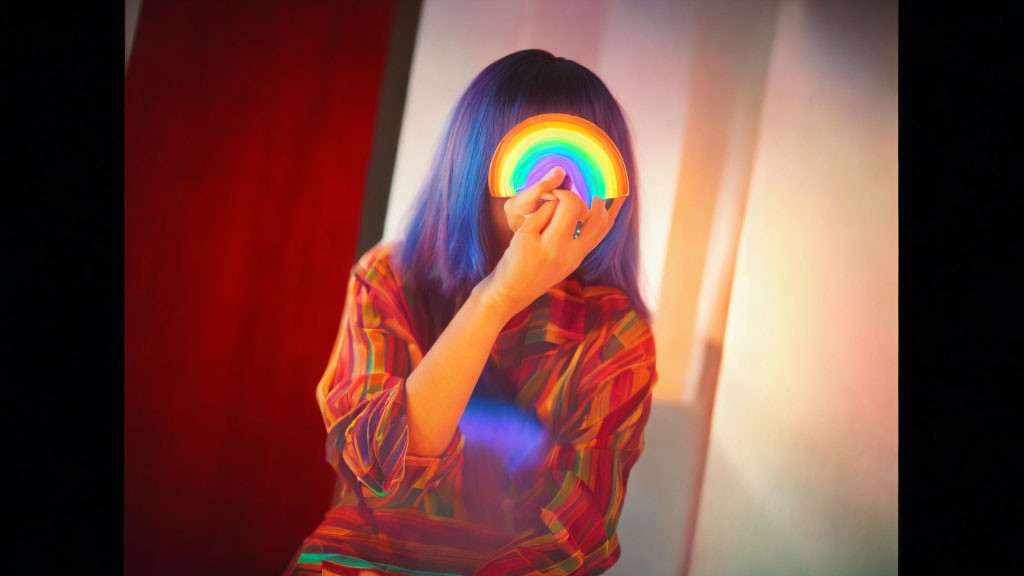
(362, 393)
(566, 522)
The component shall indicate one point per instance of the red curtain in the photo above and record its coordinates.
(248, 129)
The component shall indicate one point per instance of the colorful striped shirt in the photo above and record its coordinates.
(535, 474)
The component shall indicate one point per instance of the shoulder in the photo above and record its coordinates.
(614, 320)
(617, 335)
(377, 266)
(375, 278)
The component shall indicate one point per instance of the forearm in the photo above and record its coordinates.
(439, 388)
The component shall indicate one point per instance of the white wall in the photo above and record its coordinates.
(801, 475)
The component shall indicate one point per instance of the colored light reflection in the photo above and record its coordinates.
(515, 435)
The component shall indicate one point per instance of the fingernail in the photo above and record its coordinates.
(608, 203)
(579, 226)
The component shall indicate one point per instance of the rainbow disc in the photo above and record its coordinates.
(593, 164)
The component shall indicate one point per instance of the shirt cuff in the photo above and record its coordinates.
(376, 445)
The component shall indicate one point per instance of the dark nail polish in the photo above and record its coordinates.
(579, 226)
(608, 203)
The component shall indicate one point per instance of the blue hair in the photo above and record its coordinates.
(449, 246)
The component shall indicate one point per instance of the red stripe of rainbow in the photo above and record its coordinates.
(593, 164)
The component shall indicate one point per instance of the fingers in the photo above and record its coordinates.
(526, 201)
(570, 209)
(594, 230)
(617, 204)
(601, 221)
(539, 220)
(523, 205)
(515, 219)
(548, 196)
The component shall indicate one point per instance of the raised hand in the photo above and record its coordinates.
(543, 251)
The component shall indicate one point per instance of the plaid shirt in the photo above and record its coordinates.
(535, 474)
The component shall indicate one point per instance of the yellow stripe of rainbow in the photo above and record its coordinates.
(570, 137)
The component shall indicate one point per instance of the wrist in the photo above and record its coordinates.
(493, 303)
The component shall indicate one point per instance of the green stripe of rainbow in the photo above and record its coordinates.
(539, 137)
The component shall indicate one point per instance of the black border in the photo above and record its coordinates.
(64, 265)
(958, 482)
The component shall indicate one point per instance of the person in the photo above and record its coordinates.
(488, 389)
